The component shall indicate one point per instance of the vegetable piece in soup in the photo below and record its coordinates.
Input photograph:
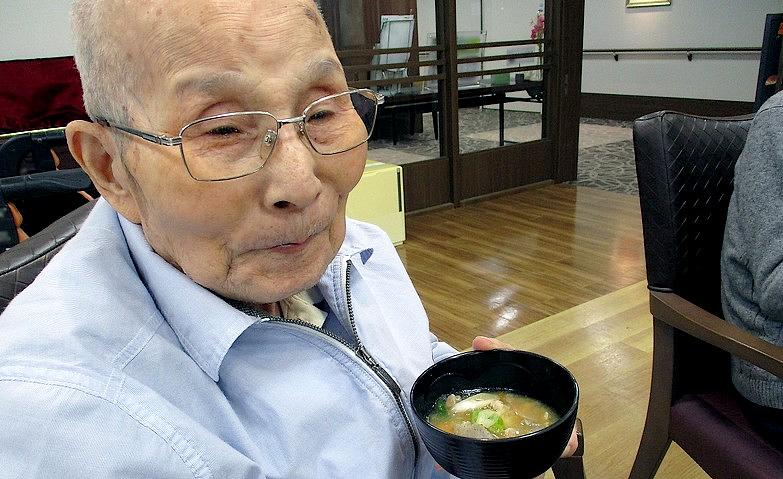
(490, 415)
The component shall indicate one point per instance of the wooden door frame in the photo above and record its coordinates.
(569, 33)
(497, 170)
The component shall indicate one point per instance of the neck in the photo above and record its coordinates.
(271, 308)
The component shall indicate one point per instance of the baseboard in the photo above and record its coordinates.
(510, 191)
(631, 107)
(431, 209)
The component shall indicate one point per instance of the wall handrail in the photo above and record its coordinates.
(616, 52)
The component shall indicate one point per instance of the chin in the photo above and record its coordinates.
(282, 281)
(265, 278)
(280, 289)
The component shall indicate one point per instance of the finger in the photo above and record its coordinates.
(483, 343)
(573, 443)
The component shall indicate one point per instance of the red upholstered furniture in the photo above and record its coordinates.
(39, 93)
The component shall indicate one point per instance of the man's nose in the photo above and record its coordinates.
(291, 171)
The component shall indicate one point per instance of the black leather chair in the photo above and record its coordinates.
(41, 199)
(685, 167)
(30, 152)
(42, 181)
(21, 264)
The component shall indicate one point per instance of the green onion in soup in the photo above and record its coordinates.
(490, 415)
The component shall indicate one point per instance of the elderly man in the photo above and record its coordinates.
(216, 316)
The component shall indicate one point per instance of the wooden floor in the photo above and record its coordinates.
(558, 270)
(491, 267)
(607, 345)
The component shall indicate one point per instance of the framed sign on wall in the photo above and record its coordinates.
(647, 3)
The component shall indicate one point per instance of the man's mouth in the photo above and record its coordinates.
(290, 241)
(293, 246)
(297, 243)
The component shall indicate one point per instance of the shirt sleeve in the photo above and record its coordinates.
(440, 350)
(59, 431)
(759, 196)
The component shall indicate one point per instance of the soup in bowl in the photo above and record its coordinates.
(495, 414)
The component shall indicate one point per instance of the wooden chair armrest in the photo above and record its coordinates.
(685, 316)
(580, 449)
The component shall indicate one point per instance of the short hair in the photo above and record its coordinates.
(107, 80)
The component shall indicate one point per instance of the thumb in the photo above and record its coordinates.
(483, 343)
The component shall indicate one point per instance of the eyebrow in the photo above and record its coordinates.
(323, 68)
(218, 83)
(213, 84)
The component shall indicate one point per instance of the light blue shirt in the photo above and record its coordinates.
(113, 363)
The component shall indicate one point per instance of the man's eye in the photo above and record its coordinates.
(320, 115)
(223, 130)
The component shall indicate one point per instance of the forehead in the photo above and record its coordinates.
(166, 39)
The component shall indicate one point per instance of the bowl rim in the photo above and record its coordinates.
(571, 410)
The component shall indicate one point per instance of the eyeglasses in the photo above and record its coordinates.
(233, 145)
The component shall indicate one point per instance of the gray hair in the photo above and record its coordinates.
(106, 79)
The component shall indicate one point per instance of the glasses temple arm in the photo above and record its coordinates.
(157, 139)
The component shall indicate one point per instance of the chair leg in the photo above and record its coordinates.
(655, 437)
(572, 467)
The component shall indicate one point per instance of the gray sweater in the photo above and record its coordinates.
(752, 259)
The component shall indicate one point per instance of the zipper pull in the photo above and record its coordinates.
(364, 355)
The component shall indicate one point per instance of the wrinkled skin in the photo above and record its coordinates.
(213, 57)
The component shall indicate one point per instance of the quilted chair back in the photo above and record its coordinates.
(685, 167)
(21, 264)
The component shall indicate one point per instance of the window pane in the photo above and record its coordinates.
(405, 130)
(502, 107)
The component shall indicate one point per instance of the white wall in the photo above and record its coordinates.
(40, 29)
(503, 19)
(686, 23)
(609, 24)
(34, 29)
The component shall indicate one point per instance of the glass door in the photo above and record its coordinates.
(476, 90)
(502, 90)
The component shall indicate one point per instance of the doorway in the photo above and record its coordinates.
(482, 96)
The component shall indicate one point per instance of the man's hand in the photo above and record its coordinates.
(481, 343)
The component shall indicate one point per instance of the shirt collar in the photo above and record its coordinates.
(205, 324)
(354, 246)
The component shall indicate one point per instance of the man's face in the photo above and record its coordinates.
(268, 235)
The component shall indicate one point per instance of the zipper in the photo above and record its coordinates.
(387, 379)
(360, 351)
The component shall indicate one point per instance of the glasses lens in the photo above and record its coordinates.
(342, 122)
(228, 146)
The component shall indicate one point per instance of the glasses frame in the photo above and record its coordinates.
(166, 140)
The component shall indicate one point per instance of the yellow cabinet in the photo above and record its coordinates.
(378, 199)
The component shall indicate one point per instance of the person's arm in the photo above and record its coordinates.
(60, 431)
(759, 199)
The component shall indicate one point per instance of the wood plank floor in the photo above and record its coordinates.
(607, 343)
(491, 267)
(560, 270)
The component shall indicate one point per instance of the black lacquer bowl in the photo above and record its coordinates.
(521, 372)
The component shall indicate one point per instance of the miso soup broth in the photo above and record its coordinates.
(490, 414)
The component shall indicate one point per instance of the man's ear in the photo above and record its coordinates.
(98, 155)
